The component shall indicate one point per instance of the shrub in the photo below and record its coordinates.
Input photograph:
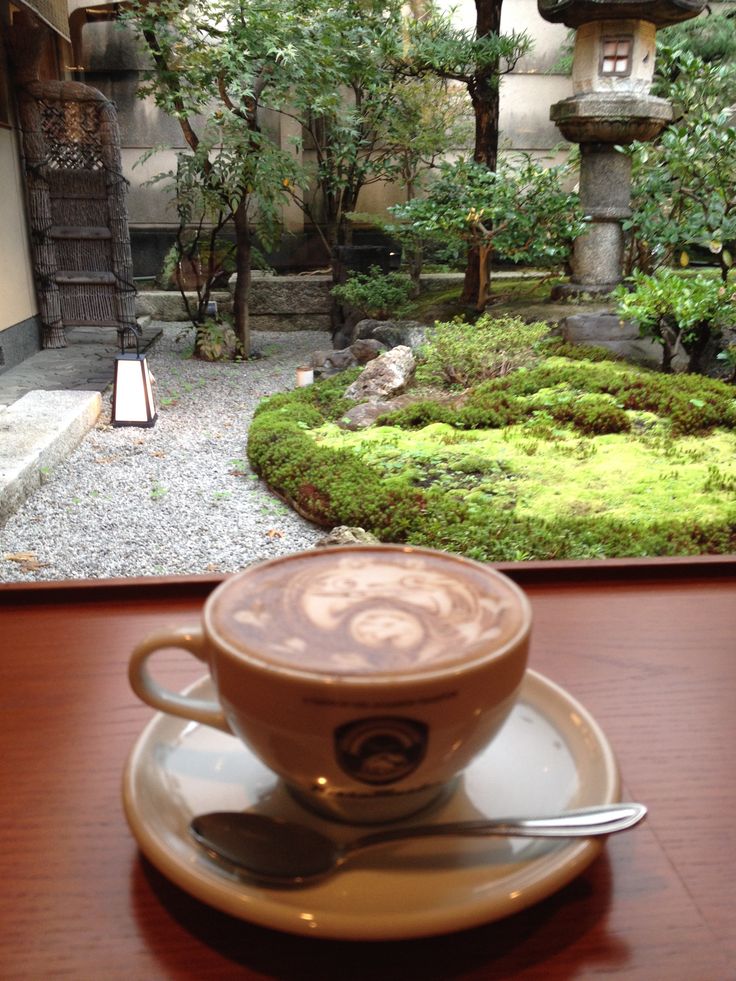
(556, 346)
(461, 354)
(328, 396)
(676, 309)
(417, 415)
(375, 294)
(592, 415)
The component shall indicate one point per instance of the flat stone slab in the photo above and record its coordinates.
(621, 337)
(87, 364)
(37, 432)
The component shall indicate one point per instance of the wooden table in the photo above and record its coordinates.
(649, 647)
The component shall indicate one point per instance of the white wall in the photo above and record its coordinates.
(17, 297)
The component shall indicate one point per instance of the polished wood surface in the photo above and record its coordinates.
(649, 648)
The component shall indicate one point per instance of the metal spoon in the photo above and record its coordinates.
(284, 853)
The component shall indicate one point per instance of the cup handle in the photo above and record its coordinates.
(196, 709)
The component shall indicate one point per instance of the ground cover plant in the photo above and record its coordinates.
(537, 450)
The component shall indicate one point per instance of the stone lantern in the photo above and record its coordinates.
(613, 67)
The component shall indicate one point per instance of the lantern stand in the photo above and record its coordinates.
(132, 393)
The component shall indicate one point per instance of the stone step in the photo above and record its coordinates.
(38, 432)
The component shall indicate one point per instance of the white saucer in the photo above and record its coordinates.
(551, 755)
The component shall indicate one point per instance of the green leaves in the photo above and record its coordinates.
(672, 308)
(685, 184)
(521, 210)
(374, 294)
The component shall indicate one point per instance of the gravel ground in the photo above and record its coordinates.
(175, 499)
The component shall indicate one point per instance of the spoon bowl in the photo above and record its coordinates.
(284, 853)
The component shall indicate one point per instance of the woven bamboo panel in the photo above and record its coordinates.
(89, 305)
(77, 205)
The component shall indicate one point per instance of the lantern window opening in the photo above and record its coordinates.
(616, 55)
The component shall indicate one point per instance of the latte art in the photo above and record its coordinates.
(367, 611)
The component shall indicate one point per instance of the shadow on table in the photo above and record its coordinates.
(574, 916)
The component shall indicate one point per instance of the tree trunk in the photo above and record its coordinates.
(485, 99)
(242, 277)
(670, 334)
(697, 346)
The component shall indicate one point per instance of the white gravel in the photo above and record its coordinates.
(176, 499)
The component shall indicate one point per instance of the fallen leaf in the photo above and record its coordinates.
(274, 533)
(28, 561)
(238, 473)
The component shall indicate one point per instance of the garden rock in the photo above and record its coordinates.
(327, 363)
(366, 349)
(344, 535)
(365, 414)
(621, 337)
(385, 377)
(394, 333)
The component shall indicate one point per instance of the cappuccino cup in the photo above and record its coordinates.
(367, 677)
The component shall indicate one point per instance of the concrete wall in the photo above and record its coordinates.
(17, 298)
(530, 90)
(19, 323)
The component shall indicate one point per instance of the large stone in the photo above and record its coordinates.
(291, 295)
(621, 337)
(327, 363)
(573, 13)
(611, 117)
(598, 257)
(385, 377)
(167, 305)
(364, 414)
(290, 321)
(393, 333)
(38, 432)
(366, 349)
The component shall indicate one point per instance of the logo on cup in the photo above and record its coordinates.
(381, 750)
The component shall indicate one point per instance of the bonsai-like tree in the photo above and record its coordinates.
(476, 58)
(520, 211)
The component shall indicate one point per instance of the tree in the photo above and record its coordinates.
(211, 65)
(478, 59)
(674, 311)
(428, 119)
(344, 97)
(684, 184)
(199, 255)
(519, 211)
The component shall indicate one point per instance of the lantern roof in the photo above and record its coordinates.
(573, 13)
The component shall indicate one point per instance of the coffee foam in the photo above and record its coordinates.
(366, 611)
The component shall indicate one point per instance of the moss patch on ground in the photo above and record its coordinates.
(569, 458)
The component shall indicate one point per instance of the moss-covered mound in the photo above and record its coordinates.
(573, 456)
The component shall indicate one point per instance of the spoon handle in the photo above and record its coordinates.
(582, 823)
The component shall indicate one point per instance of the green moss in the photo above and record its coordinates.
(564, 459)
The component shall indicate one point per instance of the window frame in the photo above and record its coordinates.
(617, 39)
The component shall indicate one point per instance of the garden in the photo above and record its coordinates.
(509, 443)
(543, 451)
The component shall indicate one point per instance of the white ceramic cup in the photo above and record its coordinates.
(367, 677)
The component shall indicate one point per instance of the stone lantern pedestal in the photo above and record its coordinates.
(613, 67)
